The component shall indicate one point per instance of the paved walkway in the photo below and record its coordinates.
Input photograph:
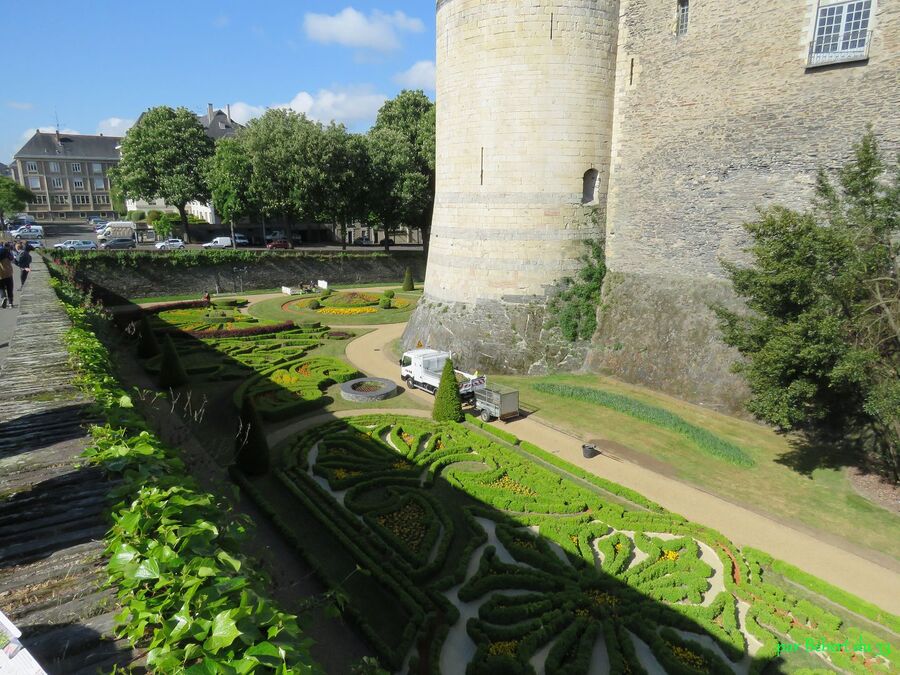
(372, 354)
(52, 514)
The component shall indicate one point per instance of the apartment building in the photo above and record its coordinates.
(68, 174)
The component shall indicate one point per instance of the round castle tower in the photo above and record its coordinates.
(524, 116)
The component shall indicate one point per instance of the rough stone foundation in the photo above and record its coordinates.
(659, 331)
(493, 336)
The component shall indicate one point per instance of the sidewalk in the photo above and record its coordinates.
(842, 568)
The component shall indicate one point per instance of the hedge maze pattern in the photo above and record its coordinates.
(499, 563)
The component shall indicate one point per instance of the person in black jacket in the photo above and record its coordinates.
(23, 260)
(6, 275)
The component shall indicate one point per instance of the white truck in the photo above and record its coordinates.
(421, 368)
(118, 229)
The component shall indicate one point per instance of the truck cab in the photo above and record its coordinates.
(421, 368)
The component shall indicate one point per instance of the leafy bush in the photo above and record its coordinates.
(148, 346)
(574, 308)
(171, 372)
(252, 448)
(389, 294)
(313, 304)
(499, 433)
(408, 284)
(136, 216)
(152, 216)
(384, 303)
(447, 401)
(703, 439)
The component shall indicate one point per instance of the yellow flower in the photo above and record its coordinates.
(347, 311)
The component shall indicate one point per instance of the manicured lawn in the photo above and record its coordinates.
(273, 310)
(402, 401)
(266, 291)
(823, 500)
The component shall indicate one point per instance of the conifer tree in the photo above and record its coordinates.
(148, 345)
(252, 447)
(171, 372)
(447, 401)
(408, 284)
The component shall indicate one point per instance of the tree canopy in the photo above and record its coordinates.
(822, 340)
(163, 156)
(229, 173)
(13, 197)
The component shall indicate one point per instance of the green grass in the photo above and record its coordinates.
(387, 285)
(272, 310)
(403, 401)
(823, 500)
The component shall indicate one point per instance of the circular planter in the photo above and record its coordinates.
(364, 389)
(589, 450)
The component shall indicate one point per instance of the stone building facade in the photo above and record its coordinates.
(693, 113)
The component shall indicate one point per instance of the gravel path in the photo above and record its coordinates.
(875, 583)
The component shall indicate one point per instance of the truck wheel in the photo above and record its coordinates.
(486, 416)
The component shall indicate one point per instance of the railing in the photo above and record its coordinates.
(822, 53)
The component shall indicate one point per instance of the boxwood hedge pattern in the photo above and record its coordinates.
(409, 500)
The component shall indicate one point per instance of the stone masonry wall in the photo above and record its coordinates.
(155, 276)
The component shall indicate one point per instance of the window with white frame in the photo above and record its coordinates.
(54, 167)
(31, 167)
(81, 199)
(76, 167)
(681, 25)
(96, 167)
(60, 199)
(34, 183)
(78, 184)
(99, 183)
(101, 199)
(841, 33)
(57, 183)
(39, 199)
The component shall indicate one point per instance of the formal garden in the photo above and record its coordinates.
(342, 307)
(453, 547)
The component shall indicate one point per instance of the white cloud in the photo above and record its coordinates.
(350, 105)
(114, 126)
(19, 105)
(354, 29)
(420, 76)
(221, 21)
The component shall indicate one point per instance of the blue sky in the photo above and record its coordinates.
(96, 65)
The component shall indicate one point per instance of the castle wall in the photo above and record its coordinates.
(524, 112)
(708, 127)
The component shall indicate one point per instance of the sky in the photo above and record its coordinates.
(92, 66)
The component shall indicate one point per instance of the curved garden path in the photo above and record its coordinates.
(371, 353)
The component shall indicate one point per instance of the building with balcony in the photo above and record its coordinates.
(68, 174)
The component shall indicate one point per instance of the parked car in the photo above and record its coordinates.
(77, 245)
(28, 232)
(241, 239)
(169, 245)
(118, 244)
(96, 220)
(19, 220)
(387, 242)
(361, 241)
(34, 243)
(275, 235)
(278, 243)
(218, 242)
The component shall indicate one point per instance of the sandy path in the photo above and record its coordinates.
(371, 354)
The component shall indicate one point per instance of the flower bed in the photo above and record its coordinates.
(347, 311)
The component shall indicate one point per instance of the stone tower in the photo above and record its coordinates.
(524, 117)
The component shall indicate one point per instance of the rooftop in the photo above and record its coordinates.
(43, 144)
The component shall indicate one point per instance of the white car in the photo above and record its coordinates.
(28, 232)
(169, 245)
(218, 242)
(77, 245)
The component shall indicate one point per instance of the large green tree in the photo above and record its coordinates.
(341, 178)
(163, 156)
(822, 340)
(229, 174)
(13, 197)
(402, 145)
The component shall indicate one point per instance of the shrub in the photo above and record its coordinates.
(136, 216)
(408, 284)
(389, 294)
(327, 293)
(252, 448)
(171, 372)
(148, 345)
(447, 402)
(384, 303)
(153, 215)
(313, 304)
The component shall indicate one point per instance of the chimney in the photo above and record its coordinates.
(209, 111)
(228, 112)
(58, 142)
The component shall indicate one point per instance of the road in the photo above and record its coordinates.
(59, 232)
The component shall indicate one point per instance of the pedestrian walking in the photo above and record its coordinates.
(6, 276)
(23, 260)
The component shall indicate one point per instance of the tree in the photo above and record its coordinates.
(408, 284)
(409, 172)
(171, 372)
(447, 401)
(822, 341)
(229, 174)
(163, 156)
(116, 196)
(252, 449)
(341, 179)
(148, 346)
(13, 197)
